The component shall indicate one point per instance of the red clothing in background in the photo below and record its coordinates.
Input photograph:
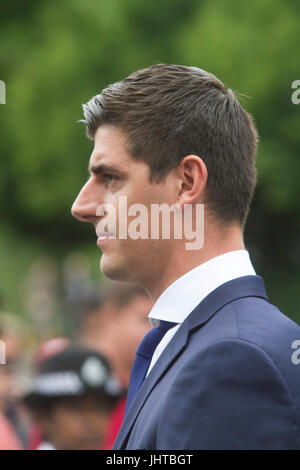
(115, 424)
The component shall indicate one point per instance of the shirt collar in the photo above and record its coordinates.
(184, 294)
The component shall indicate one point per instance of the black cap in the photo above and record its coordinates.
(74, 372)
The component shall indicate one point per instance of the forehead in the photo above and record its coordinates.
(110, 148)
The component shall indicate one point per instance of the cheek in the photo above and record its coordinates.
(142, 193)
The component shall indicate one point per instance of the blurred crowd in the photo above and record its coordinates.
(69, 392)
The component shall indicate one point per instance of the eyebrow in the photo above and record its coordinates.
(102, 168)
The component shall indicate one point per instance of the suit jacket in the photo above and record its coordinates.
(226, 380)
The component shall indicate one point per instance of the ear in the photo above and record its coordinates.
(192, 178)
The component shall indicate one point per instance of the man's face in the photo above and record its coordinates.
(114, 173)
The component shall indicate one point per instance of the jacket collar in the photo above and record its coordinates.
(246, 286)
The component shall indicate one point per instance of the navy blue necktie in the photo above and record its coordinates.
(143, 358)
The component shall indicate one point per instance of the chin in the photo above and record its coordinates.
(114, 269)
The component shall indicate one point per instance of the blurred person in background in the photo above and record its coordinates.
(115, 326)
(122, 308)
(71, 399)
(12, 434)
(49, 348)
(44, 351)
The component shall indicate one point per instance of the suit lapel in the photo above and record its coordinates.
(237, 288)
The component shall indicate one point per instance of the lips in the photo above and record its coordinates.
(104, 235)
(104, 238)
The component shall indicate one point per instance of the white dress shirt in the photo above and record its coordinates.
(184, 294)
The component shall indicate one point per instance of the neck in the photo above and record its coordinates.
(216, 242)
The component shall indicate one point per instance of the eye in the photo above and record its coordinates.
(108, 178)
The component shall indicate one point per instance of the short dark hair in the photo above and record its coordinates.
(170, 111)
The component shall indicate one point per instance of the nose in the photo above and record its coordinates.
(85, 205)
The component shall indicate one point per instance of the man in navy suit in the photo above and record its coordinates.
(221, 368)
